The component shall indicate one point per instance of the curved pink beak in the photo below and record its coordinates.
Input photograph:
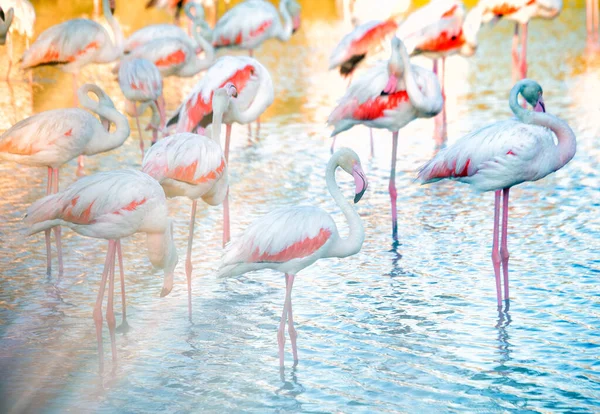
(539, 106)
(295, 23)
(360, 182)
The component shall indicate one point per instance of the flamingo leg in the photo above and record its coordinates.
(444, 134)
(251, 53)
(98, 307)
(281, 330)
(504, 255)
(437, 120)
(392, 186)
(124, 325)
(589, 18)
(75, 99)
(495, 253)
(137, 121)
(110, 312)
(372, 145)
(257, 127)
(57, 230)
(188, 260)
(227, 139)
(523, 57)
(30, 74)
(596, 12)
(289, 284)
(47, 232)
(10, 55)
(226, 226)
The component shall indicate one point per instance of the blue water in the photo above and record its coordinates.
(407, 327)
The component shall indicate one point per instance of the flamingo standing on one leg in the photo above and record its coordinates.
(520, 11)
(193, 166)
(438, 30)
(504, 154)
(53, 138)
(76, 43)
(111, 205)
(255, 93)
(389, 95)
(290, 239)
(354, 47)
(23, 22)
(140, 81)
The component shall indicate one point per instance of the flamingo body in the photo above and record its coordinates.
(520, 11)
(140, 80)
(156, 31)
(172, 56)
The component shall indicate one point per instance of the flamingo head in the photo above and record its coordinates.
(222, 96)
(169, 260)
(349, 162)
(112, 6)
(533, 94)
(293, 8)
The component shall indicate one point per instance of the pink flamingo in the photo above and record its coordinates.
(254, 95)
(389, 95)
(76, 43)
(112, 205)
(193, 166)
(438, 30)
(53, 138)
(248, 24)
(175, 56)
(290, 239)
(520, 11)
(140, 81)
(504, 154)
(353, 49)
(23, 20)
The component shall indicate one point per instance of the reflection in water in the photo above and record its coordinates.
(503, 345)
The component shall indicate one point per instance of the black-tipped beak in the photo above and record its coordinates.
(360, 182)
(358, 196)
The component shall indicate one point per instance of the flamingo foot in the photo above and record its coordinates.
(123, 328)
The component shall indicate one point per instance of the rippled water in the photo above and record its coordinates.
(407, 327)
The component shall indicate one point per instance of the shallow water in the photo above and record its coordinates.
(395, 328)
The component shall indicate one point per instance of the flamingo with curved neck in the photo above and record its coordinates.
(290, 239)
(504, 154)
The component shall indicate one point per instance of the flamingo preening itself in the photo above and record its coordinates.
(504, 154)
(290, 239)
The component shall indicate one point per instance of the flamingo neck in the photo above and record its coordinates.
(103, 140)
(207, 47)
(285, 31)
(567, 143)
(351, 244)
(217, 122)
(114, 50)
(264, 98)
(163, 254)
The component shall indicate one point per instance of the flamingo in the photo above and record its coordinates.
(193, 166)
(53, 138)
(438, 30)
(248, 24)
(354, 47)
(389, 95)
(160, 31)
(504, 154)
(175, 56)
(520, 11)
(171, 5)
(254, 95)
(290, 239)
(76, 43)
(112, 205)
(23, 20)
(140, 81)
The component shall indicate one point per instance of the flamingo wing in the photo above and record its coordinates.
(156, 31)
(65, 43)
(168, 54)
(283, 235)
(245, 25)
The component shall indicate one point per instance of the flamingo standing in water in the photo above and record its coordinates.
(23, 20)
(140, 81)
(112, 205)
(290, 239)
(520, 11)
(53, 138)
(254, 95)
(76, 43)
(193, 166)
(354, 47)
(438, 30)
(504, 154)
(389, 95)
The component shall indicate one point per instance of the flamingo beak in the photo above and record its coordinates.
(167, 285)
(360, 182)
(106, 124)
(540, 107)
(231, 89)
(112, 6)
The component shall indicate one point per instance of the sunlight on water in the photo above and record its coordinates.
(409, 328)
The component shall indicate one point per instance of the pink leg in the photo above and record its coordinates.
(249, 132)
(495, 253)
(110, 311)
(281, 330)
(515, 54)
(596, 12)
(47, 232)
(444, 134)
(289, 284)
(372, 145)
(523, 63)
(98, 307)
(392, 187)
(137, 121)
(504, 245)
(188, 260)
(10, 55)
(226, 226)
(124, 325)
(589, 18)
(75, 99)
(257, 126)
(437, 127)
(57, 229)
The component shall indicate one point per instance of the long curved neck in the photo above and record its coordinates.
(217, 121)
(209, 54)
(567, 143)
(352, 244)
(285, 31)
(263, 98)
(422, 103)
(115, 50)
(103, 140)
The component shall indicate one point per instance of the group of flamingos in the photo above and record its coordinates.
(192, 163)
